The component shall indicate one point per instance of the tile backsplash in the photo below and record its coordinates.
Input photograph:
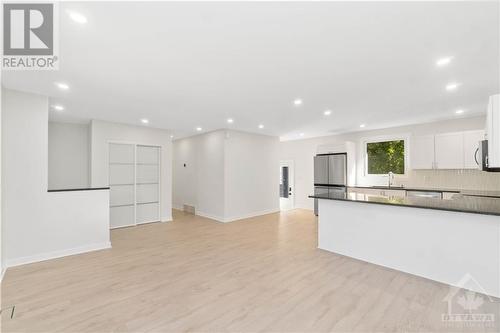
(452, 179)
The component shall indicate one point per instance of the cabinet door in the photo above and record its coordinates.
(449, 151)
(395, 193)
(422, 152)
(449, 195)
(471, 144)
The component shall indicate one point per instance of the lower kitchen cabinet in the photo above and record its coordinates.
(379, 192)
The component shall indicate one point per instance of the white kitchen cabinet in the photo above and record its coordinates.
(471, 144)
(449, 151)
(378, 192)
(395, 193)
(449, 195)
(422, 152)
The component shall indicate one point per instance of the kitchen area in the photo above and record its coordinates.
(438, 231)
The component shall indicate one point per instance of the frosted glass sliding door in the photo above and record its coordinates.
(148, 184)
(134, 180)
(122, 185)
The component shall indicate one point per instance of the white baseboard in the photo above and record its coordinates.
(249, 215)
(177, 206)
(239, 217)
(57, 254)
(210, 216)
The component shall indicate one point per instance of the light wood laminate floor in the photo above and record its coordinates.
(194, 274)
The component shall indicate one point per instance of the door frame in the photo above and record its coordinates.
(291, 181)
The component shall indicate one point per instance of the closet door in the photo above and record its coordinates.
(148, 184)
(122, 185)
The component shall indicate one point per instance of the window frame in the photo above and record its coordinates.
(385, 138)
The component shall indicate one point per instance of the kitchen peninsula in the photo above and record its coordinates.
(445, 241)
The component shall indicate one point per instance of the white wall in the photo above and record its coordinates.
(69, 149)
(251, 174)
(101, 133)
(302, 151)
(209, 185)
(200, 182)
(40, 225)
(228, 175)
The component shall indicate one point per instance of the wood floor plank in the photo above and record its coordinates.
(263, 274)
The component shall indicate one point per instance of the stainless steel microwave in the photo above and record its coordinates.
(481, 157)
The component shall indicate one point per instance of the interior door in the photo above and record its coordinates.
(122, 185)
(148, 184)
(286, 185)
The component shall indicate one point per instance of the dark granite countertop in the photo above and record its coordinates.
(79, 189)
(475, 193)
(463, 204)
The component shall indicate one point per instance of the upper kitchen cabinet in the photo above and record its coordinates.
(449, 151)
(422, 152)
(471, 144)
(446, 150)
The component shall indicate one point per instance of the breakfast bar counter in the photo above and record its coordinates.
(442, 240)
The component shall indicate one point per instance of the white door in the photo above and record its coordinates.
(449, 151)
(134, 181)
(287, 193)
(148, 184)
(122, 185)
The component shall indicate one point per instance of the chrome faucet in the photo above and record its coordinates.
(390, 178)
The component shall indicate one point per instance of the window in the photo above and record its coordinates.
(383, 157)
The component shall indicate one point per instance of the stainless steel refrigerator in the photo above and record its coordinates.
(330, 175)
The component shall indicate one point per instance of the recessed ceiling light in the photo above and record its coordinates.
(362, 125)
(145, 121)
(261, 126)
(452, 86)
(230, 120)
(327, 112)
(77, 17)
(301, 134)
(58, 107)
(62, 86)
(171, 136)
(297, 102)
(459, 111)
(199, 129)
(444, 61)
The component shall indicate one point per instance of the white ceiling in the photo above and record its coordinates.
(183, 65)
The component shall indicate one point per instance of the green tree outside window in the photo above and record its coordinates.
(387, 156)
